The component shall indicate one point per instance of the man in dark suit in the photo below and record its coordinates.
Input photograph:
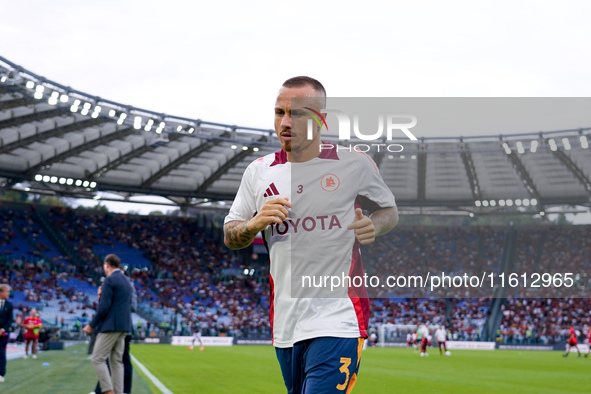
(5, 322)
(111, 323)
(127, 367)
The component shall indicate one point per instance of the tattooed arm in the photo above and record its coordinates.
(239, 234)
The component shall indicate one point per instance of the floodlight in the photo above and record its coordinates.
(566, 143)
(534, 146)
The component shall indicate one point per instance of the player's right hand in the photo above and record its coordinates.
(274, 211)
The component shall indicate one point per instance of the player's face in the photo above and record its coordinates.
(291, 123)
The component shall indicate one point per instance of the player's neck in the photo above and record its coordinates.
(302, 156)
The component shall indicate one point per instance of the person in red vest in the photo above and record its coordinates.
(32, 325)
(572, 342)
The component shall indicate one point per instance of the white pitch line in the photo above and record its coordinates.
(153, 378)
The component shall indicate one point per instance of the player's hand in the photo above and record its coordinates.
(274, 211)
(365, 232)
(87, 329)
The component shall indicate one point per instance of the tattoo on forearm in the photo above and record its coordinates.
(237, 235)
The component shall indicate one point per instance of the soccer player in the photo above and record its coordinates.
(424, 337)
(196, 336)
(440, 337)
(32, 325)
(308, 203)
(572, 342)
(418, 337)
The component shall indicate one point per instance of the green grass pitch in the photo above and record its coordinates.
(254, 369)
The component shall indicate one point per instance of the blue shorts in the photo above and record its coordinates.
(321, 365)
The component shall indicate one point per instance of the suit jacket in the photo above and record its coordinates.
(114, 309)
(6, 316)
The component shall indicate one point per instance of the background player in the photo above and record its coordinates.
(32, 325)
(196, 336)
(572, 342)
(441, 337)
(424, 330)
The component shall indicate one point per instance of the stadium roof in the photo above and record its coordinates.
(57, 140)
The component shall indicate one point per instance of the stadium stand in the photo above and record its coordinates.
(183, 275)
(59, 141)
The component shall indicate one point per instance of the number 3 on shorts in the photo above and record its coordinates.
(344, 369)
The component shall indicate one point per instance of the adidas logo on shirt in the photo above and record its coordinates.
(271, 191)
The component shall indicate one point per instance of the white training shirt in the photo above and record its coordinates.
(440, 335)
(314, 241)
(424, 332)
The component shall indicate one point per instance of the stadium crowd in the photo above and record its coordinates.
(184, 275)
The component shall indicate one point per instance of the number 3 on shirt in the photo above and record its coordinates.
(344, 369)
(300, 189)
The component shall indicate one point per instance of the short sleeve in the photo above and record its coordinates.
(373, 192)
(243, 207)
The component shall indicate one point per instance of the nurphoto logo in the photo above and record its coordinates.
(388, 123)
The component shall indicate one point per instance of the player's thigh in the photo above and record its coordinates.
(331, 365)
(284, 356)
